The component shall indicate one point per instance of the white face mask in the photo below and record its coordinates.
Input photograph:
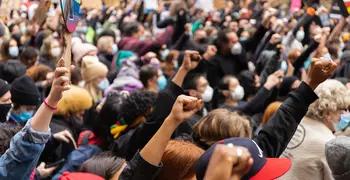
(236, 49)
(300, 35)
(56, 52)
(238, 94)
(208, 94)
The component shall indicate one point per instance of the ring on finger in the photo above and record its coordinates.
(239, 152)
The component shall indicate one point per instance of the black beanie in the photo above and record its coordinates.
(24, 91)
(11, 70)
(4, 87)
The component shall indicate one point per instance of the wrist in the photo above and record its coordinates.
(312, 85)
(51, 102)
(171, 122)
(182, 69)
(268, 86)
(206, 56)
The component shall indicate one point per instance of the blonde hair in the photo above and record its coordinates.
(333, 96)
(221, 124)
(74, 100)
(104, 43)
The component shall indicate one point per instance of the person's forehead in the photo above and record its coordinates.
(202, 80)
(6, 96)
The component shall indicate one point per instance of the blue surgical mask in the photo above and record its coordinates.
(103, 85)
(284, 66)
(340, 54)
(343, 123)
(25, 116)
(243, 38)
(14, 51)
(23, 29)
(82, 29)
(162, 82)
(327, 56)
(142, 38)
(165, 54)
(114, 49)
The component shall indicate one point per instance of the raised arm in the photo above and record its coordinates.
(128, 144)
(27, 145)
(152, 153)
(275, 136)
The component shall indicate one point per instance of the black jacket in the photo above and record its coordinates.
(275, 136)
(46, 60)
(105, 58)
(138, 169)
(279, 130)
(258, 103)
(127, 144)
(221, 65)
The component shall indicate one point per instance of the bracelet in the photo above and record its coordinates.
(50, 107)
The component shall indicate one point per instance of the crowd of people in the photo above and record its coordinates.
(253, 90)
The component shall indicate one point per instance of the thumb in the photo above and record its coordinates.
(42, 165)
(51, 169)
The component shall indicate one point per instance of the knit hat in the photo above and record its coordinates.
(262, 168)
(74, 100)
(91, 69)
(338, 157)
(122, 56)
(24, 91)
(78, 176)
(4, 87)
(80, 50)
(11, 70)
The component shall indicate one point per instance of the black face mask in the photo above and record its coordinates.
(75, 122)
(203, 41)
(4, 110)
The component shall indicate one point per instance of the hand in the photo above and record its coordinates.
(326, 31)
(266, 22)
(225, 164)
(160, 6)
(184, 108)
(45, 172)
(191, 60)
(319, 71)
(211, 51)
(290, 70)
(60, 83)
(281, 48)
(188, 29)
(318, 38)
(65, 136)
(274, 80)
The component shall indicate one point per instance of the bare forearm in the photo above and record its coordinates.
(180, 76)
(154, 149)
(42, 117)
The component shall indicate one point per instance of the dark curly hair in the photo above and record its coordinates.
(138, 103)
(6, 134)
(109, 115)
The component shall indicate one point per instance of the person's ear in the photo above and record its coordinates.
(226, 93)
(326, 115)
(192, 93)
